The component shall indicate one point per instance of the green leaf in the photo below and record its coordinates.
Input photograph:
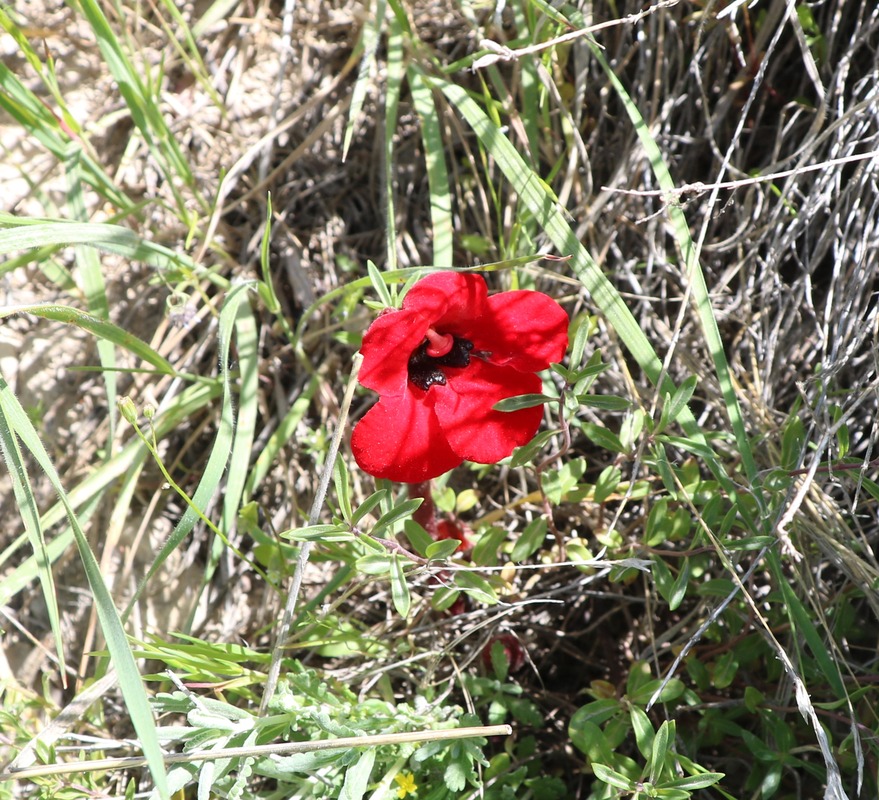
(525, 454)
(793, 440)
(557, 483)
(343, 488)
(374, 564)
(643, 730)
(521, 401)
(606, 402)
(476, 586)
(540, 202)
(701, 781)
(400, 511)
(399, 586)
(613, 778)
(437, 173)
(14, 419)
(675, 404)
(419, 538)
(589, 739)
(679, 588)
(319, 533)
(583, 325)
(605, 439)
(486, 550)
(660, 751)
(608, 482)
(725, 669)
(367, 505)
(455, 775)
(530, 540)
(378, 284)
(443, 549)
(104, 330)
(357, 776)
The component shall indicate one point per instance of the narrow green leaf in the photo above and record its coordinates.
(130, 682)
(24, 234)
(370, 38)
(681, 397)
(235, 493)
(660, 751)
(398, 512)
(525, 454)
(218, 458)
(357, 776)
(529, 541)
(679, 589)
(608, 482)
(374, 564)
(613, 778)
(521, 401)
(603, 437)
(701, 296)
(394, 72)
(690, 782)
(368, 505)
(319, 533)
(606, 402)
(381, 288)
(644, 733)
(553, 220)
(476, 586)
(399, 586)
(92, 279)
(343, 488)
(437, 174)
(419, 538)
(441, 550)
(99, 327)
(27, 509)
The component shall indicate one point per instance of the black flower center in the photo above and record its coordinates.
(425, 370)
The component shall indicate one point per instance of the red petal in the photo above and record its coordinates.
(386, 348)
(452, 301)
(400, 439)
(464, 407)
(527, 331)
(454, 529)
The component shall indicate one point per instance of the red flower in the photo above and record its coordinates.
(513, 650)
(455, 529)
(440, 363)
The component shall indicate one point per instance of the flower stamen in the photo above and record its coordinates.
(426, 370)
(438, 344)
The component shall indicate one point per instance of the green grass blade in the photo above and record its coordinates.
(552, 219)
(395, 71)
(369, 42)
(284, 432)
(693, 269)
(141, 98)
(99, 327)
(27, 508)
(130, 683)
(437, 173)
(218, 459)
(92, 279)
(41, 124)
(190, 401)
(245, 427)
(23, 234)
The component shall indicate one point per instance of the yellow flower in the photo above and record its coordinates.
(406, 782)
